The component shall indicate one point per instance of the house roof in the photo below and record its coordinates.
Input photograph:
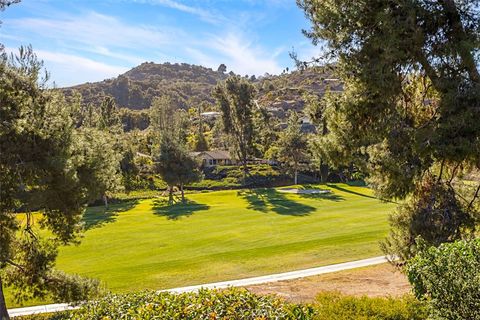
(210, 114)
(213, 154)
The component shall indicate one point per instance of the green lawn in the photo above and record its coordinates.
(226, 235)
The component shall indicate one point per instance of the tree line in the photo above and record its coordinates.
(407, 119)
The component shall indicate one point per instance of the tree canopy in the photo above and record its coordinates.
(292, 145)
(47, 166)
(235, 100)
(410, 110)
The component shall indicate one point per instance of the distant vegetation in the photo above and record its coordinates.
(190, 85)
(136, 89)
(405, 118)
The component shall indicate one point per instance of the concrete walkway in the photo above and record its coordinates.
(225, 284)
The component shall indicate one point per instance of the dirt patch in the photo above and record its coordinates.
(376, 281)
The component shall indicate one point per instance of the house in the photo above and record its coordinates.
(210, 115)
(214, 158)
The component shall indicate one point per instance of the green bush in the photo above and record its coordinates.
(216, 184)
(45, 316)
(206, 304)
(239, 304)
(334, 306)
(448, 278)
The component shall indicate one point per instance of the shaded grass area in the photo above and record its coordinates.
(176, 211)
(97, 217)
(225, 235)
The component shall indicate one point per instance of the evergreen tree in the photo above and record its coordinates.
(175, 165)
(265, 133)
(315, 109)
(292, 145)
(222, 68)
(165, 119)
(109, 119)
(44, 167)
(410, 109)
(235, 100)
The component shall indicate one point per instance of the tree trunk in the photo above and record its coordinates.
(170, 195)
(105, 201)
(183, 193)
(323, 172)
(296, 176)
(245, 171)
(3, 305)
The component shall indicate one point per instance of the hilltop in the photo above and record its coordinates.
(189, 85)
(135, 89)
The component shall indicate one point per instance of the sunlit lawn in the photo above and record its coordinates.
(226, 235)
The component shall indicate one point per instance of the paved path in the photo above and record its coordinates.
(233, 283)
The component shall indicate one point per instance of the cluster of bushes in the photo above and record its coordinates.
(240, 304)
(262, 175)
(448, 279)
(216, 178)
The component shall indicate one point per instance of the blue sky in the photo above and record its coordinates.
(90, 40)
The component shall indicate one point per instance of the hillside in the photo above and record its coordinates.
(135, 89)
(284, 92)
(190, 84)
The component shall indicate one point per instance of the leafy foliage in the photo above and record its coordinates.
(448, 278)
(411, 102)
(206, 304)
(235, 100)
(46, 165)
(241, 304)
(335, 306)
(292, 145)
(175, 165)
(433, 213)
(186, 84)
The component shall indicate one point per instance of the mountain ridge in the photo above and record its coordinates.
(189, 85)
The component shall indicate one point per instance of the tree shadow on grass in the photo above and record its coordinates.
(333, 186)
(265, 200)
(178, 210)
(325, 196)
(96, 217)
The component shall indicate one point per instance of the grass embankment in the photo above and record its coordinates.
(225, 235)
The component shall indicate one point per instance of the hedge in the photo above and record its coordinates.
(233, 304)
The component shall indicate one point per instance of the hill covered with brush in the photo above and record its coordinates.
(190, 85)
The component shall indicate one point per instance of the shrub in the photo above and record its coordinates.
(45, 316)
(206, 304)
(334, 306)
(434, 213)
(239, 304)
(448, 278)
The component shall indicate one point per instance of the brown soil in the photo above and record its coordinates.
(376, 281)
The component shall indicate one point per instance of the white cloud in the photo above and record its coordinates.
(243, 56)
(93, 46)
(203, 14)
(93, 29)
(104, 51)
(306, 51)
(67, 69)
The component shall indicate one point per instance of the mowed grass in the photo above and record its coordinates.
(226, 235)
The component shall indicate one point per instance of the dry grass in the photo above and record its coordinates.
(377, 281)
